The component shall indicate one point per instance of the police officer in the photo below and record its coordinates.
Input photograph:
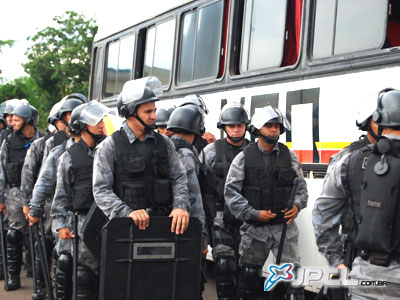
(74, 189)
(64, 114)
(30, 173)
(233, 120)
(42, 197)
(186, 123)
(363, 180)
(207, 137)
(137, 161)
(162, 117)
(257, 191)
(13, 151)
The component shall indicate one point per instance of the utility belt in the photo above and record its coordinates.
(377, 258)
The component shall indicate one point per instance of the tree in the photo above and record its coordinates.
(59, 60)
(9, 43)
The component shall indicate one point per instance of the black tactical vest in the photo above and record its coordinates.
(347, 221)
(82, 166)
(224, 155)
(17, 146)
(142, 174)
(375, 202)
(207, 182)
(268, 185)
(60, 137)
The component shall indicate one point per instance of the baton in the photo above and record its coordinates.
(3, 251)
(43, 259)
(32, 252)
(75, 259)
(284, 228)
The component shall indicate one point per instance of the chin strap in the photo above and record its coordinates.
(235, 139)
(147, 128)
(98, 138)
(269, 140)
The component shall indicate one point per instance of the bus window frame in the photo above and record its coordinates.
(340, 58)
(236, 43)
(118, 39)
(96, 69)
(165, 19)
(209, 80)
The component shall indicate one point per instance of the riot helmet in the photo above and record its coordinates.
(186, 119)
(54, 115)
(232, 114)
(87, 114)
(268, 115)
(162, 116)
(28, 112)
(388, 109)
(78, 96)
(195, 100)
(12, 104)
(136, 92)
(68, 106)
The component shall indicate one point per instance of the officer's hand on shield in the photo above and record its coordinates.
(265, 215)
(25, 209)
(65, 234)
(291, 214)
(141, 218)
(3, 208)
(180, 220)
(33, 220)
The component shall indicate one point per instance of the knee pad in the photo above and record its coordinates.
(64, 263)
(85, 276)
(225, 266)
(249, 276)
(14, 237)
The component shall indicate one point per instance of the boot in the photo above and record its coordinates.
(14, 258)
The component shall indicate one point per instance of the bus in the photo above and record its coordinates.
(316, 60)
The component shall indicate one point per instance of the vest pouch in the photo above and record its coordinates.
(134, 195)
(160, 164)
(13, 171)
(285, 176)
(266, 200)
(252, 194)
(209, 205)
(83, 197)
(162, 192)
(133, 164)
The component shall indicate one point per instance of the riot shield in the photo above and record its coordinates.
(92, 228)
(150, 264)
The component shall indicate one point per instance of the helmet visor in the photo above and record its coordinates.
(134, 89)
(93, 113)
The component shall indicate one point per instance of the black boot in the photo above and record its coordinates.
(1, 258)
(14, 258)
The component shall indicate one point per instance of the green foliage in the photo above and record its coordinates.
(58, 64)
(59, 60)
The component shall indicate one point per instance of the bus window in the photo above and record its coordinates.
(201, 43)
(393, 26)
(159, 51)
(339, 28)
(270, 34)
(119, 64)
(96, 73)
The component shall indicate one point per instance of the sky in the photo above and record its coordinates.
(23, 18)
